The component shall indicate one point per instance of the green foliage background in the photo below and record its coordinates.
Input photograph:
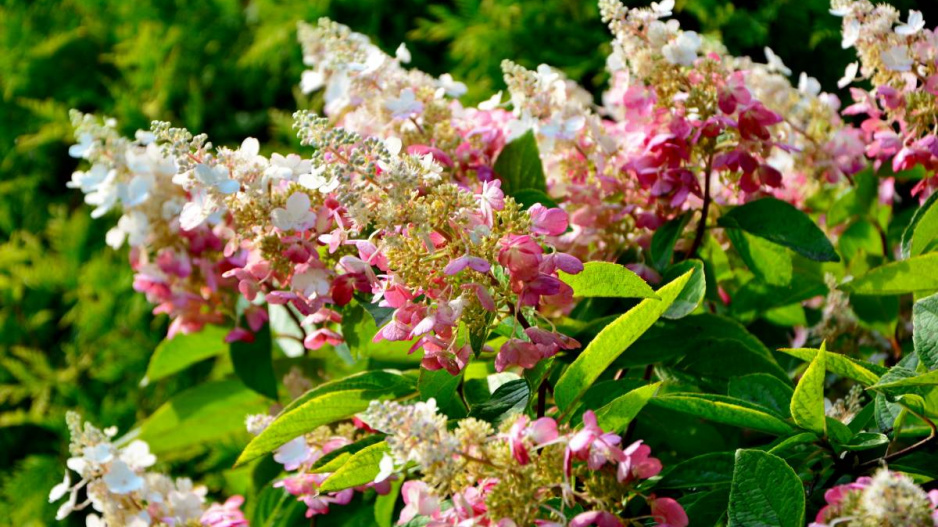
(73, 333)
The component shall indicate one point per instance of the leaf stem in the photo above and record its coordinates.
(704, 211)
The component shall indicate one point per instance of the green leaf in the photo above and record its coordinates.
(384, 504)
(253, 363)
(322, 407)
(529, 196)
(807, 404)
(519, 166)
(711, 469)
(604, 279)
(922, 232)
(727, 358)
(770, 262)
(442, 386)
(765, 492)
(692, 294)
(200, 415)
(925, 379)
(180, 352)
(862, 372)
(781, 223)
(612, 341)
(662, 242)
(764, 390)
(336, 458)
(722, 409)
(360, 469)
(925, 328)
(917, 274)
(706, 508)
(616, 416)
(509, 398)
(373, 380)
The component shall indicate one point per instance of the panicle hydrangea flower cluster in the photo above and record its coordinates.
(526, 473)
(888, 499)
(118, 485)
(900, 59)
(299, 457)
(678, 106)
(359, 216)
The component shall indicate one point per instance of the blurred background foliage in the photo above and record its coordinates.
(73, 333)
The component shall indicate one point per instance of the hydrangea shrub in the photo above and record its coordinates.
(697, 302)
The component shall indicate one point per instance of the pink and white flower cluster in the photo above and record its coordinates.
(886, 498)
(120, 488)
(900, 59)
(472, 475)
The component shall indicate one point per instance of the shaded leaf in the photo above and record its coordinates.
(765, 492)
(781, 223)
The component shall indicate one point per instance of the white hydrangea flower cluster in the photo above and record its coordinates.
(118, 484)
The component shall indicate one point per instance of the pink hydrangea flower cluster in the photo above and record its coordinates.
(474, 475)
(360, 218)
(900, 59)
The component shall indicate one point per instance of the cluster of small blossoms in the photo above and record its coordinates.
(299, 457)
(359, 215)
(526, 473)
(900, 59)
(118, 486)
(888, 499)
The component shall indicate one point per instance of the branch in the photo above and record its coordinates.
(704, 212)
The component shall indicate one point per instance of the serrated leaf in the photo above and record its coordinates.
(519, 165)
(662, 242)
(781, 223)
(770, 262)
(765, 491)
(925, 329)
(914, 275)
(612, 341)
(360, 469)
(807, 403)
(333, 460)
(764, 390)
(508, 398)
(723, 409)
(442, 386)
(925, 379)
(711, 469)
(180, 352)
(253, 363)
(616, 416)
(320, 408)
(863, 372)
(604, 279)
(693, 292)
(922, 231)
(373, 380)
(204, 413)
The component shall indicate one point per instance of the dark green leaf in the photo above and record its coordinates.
(780, 222)
(664, 239)
(508, 398)
(529, 196)
(519, 165)
(922, 231)
(764, 390)
(715, 468)
(925, 329)
(765, 492)
(693, 293)
(253, 363)
(722, 409)
(442, 386)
